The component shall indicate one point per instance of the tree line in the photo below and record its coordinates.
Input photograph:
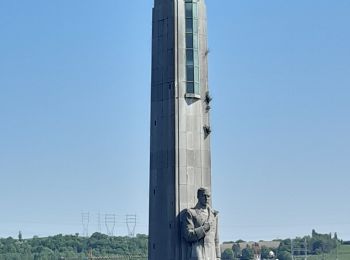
(98, 245)
(316, 244)
(71, 246)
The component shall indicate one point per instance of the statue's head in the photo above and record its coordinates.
(203, 195)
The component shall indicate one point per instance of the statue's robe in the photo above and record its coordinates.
(201, 245)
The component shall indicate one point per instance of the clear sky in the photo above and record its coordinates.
(75, 108)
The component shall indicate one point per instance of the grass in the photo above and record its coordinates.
(343, 254)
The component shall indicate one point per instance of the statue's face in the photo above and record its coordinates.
(203, 199)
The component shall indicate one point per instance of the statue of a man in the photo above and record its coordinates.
(200, 229)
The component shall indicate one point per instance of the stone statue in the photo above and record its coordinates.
(200, 229)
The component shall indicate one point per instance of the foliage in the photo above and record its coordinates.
(317, 244)
(227, 254)
(265, 252)
(284, 255)
(237, 252)
(322, 243)
(247, 253)
(71, 246)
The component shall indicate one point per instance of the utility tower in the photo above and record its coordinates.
(85, 220)
(299, 251)
(99, 222)
(180, 159)
(110, 224)
(131, 224)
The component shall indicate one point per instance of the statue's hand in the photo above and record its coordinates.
(206, 226)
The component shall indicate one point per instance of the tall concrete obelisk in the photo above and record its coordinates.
(180, 128)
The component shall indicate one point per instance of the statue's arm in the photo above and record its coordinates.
(190, 232)
(217, 242)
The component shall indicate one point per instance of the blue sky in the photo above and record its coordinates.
(75, 102)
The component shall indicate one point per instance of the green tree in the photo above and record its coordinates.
(71, 246)
(284, 245)
(265, 251)
(247, 253)
(227, 254)
(237, 252)
(284, 255)
(335, 236)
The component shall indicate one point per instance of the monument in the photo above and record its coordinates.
(180, 163)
